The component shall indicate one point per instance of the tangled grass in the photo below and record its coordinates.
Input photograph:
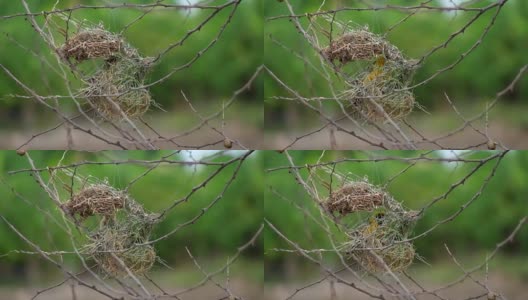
(116, 88)
(379, 242)
(118, 245)
(396, 257)
(381, 89)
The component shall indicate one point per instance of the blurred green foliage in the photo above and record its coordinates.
(224, 227)
(483, 73)
(486, 222)
(218, 72)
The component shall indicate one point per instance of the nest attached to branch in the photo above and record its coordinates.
(118, 246)
(96, 199)
(117, 88)
(380, 241)
(396, 258)
(138, 260)
(118, 243)
(382, 90)
(377, 226)
(92, 43)
(117, 85)
(360, 45)
(354, 197)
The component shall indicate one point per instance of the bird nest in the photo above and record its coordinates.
(92, 43)
(382, 91)
(116, 89)
(360, 45)
(396, 258)
(118, 243)
(377, 226)
(119, 261)
(119, 246)
(380, 243)
(354, 197)
(95, 199)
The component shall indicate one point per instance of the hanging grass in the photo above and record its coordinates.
(382, 89)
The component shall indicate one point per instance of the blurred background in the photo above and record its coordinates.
(470, 237)
(208, 83)
(212, 239)
(471, 85)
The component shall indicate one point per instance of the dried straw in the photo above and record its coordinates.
(92, 43)
(354, 197)
(382, 90)
(117, 88)
(95, 199)
(382, 237)
(360, 45)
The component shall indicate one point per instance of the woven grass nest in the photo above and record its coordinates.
(119, 241)
(360, 45)
(353, 197)
(92, 43)
(380, 90)
(382, 240)
(382, 233)
(116, 87)
(96, 199)
(396, 258)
